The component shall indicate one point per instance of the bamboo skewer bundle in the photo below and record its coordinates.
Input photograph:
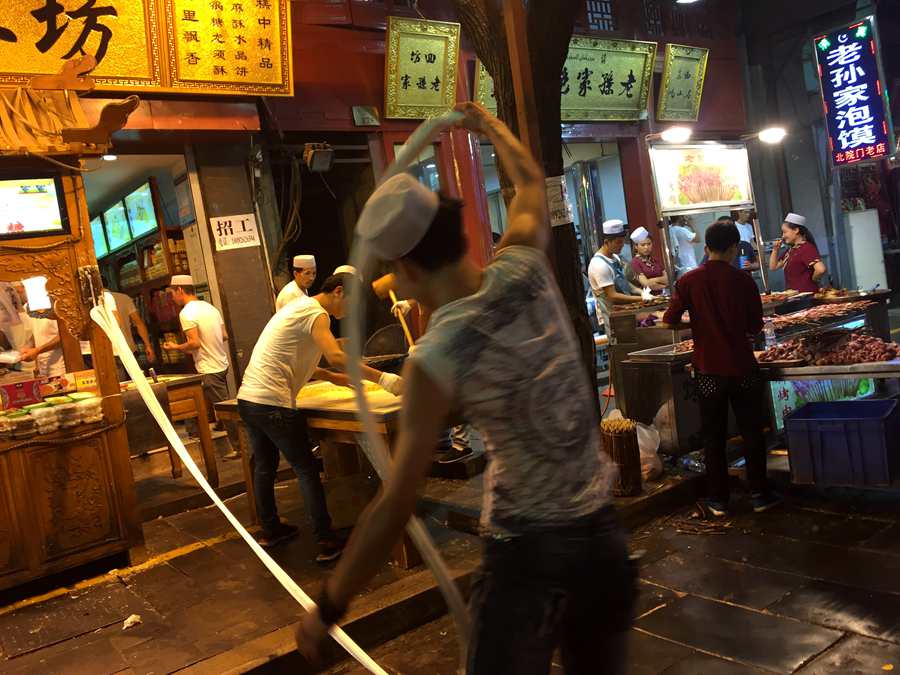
(621, 444)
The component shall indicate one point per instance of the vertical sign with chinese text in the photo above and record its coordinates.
(857, 112)
(606, 79)
(200, 46)
(228, 45)
(420, 68)
(681, 88)
(484, 87)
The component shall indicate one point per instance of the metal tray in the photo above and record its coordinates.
(664, 354)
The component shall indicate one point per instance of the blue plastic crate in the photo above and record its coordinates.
(844, 442)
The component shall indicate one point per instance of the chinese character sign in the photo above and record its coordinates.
(606, 79)
(229, 45)
(681, 87)
(856, 110)
(420, 72)
(204, 46)
(484, 87)
(234, 231)
(38, 36)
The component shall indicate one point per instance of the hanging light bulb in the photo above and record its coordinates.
(676, 134)
(772, 135)
(36, 292)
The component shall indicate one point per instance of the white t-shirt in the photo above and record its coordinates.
(52, 362)
(600, 274)
(211, 357)
(285, 356)
(290, 292)
(508, 359)
(746, 232)
(684, 242)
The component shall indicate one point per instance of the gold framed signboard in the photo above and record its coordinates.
(420, 68)
(606, 80)
(681, 88)
(240, 47)
(484, 87)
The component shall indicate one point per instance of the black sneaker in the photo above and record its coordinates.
(278, 535)
(330, 549)
(763, 503)
(454, 455)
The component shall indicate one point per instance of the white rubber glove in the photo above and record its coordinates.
(391, 383)
(401, 308)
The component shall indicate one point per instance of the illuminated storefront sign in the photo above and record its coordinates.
(857, 109)
(201, 46)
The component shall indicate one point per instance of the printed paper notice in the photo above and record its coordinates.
(234, 231)
(558, 202)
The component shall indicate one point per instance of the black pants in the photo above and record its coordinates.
(745, 394)
(571, 588)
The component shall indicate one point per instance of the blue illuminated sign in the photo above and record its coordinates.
(857, 109)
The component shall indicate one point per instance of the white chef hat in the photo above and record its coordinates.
(303, 262)
(345, 269)
(795, 218)
(181, 280)
(613, 228)
(640, 235)
(397, 216)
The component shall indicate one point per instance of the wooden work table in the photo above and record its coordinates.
(332, 420)
(186, 401)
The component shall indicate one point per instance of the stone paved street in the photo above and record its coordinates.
(811, 589)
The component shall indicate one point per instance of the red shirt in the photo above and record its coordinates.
(725, 310)
(798, 267)
(649, 268)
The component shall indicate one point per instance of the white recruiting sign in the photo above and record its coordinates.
(558, 201)
(234, 231)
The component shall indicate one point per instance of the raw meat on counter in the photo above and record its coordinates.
(819, 313)
(684, 347)
(845, 350)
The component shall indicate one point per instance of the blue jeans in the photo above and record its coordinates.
(271, 429)
(572, 587)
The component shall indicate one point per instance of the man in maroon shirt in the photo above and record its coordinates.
(726, 313)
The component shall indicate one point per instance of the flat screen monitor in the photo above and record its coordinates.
(141, 214)
(99, 237)
(117, 232)
(31, 207)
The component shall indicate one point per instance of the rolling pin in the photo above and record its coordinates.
(384, 288)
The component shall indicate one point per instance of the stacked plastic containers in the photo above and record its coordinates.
(54, 413)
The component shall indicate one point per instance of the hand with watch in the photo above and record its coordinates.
(313, 627)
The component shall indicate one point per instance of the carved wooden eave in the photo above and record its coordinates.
(46, 118)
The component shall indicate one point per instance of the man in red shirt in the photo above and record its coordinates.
(726, 313)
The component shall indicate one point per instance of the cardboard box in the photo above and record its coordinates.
(17, 394)
(57, 384)
(86, 380)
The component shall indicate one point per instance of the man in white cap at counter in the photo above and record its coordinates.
(284, 359)
(499, 350)
(606, 273)
(304, 268)
(204, 330)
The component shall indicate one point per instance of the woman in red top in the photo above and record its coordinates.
(647, 269)
(801, 263)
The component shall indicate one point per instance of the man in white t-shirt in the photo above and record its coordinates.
(500, 351)
(745, 227)
(606, 273)
(683, 238)
(204, 330)
(284, 359)
(304, 277)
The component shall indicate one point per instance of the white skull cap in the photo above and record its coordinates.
(795, 218)
(640, 235)
(397, 216)
(345, 269)
(613, 227)
(304, 262)
(182, 280)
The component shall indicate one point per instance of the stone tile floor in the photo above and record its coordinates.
(811, 589)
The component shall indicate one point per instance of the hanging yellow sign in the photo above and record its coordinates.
(200, 46)
(484, 87)
(420, 68)
(602, 80)
(606, 79)
(681, 88)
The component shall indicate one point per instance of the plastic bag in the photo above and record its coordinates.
(648, 445)
(662, 422)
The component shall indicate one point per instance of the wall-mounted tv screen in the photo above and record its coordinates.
(99, 237)
(117, 232)
(141, 213)
(31, 207)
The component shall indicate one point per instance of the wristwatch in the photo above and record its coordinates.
(329, 613)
